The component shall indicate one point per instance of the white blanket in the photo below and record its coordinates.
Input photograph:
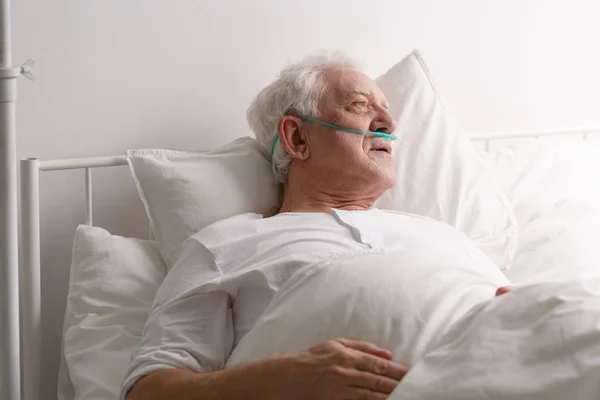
(438, 315)
(401, 300)
(554, 187)
(558, 245)
(539, 343)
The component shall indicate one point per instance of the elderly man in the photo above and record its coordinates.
(325, 125)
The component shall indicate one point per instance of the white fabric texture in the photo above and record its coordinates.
(224, 280)
(439, 173)
(541, 342)
(184, 192)
(229, 272)
(541, 175)
(112, 284)
(558, 245)
(554, 188)
(403, 299)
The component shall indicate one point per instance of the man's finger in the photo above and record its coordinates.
(379, 366)
(366, 347)
(505, 289)
(367, 380)
(363, 394)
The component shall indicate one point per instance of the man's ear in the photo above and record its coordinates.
(293, 139)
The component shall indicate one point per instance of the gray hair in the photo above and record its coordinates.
(297, 90)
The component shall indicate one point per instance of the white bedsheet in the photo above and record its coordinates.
(439, 316)
(540, 175)
(558, 245)
(554, 187)
(402, 300)
(539, 343)
(543, 341)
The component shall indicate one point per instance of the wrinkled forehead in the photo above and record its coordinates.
(343, 83)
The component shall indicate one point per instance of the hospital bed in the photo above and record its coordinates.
(557, 237)
(515, 157)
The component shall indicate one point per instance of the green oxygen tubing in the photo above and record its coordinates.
(383, 135)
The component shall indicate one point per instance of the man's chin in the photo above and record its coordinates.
(390, 182)
(387, 175)
(387, 180)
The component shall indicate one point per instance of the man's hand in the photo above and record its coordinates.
(339, 369)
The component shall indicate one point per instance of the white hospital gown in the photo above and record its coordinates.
(228, 273)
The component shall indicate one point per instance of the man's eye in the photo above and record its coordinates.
(360, 103)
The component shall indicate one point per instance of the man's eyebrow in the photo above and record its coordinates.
(361, 92)
(385, 104)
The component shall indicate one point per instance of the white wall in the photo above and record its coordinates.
(118, 74)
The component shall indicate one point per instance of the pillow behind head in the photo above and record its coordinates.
(183, 192)
(439, 173)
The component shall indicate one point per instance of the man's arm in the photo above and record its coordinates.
(190, 330)
(341, 367)
(190, 326)
(181, 384)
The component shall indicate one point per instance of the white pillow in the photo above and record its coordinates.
(540, 175)
(184, 192)
(111, 288)
(558, 245)
(554, 188)
(439, 173)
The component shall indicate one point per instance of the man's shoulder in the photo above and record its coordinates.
(403, 214)
(227, 228)
(413, 218)
(228, 238)
(420, 220)
(236, 220)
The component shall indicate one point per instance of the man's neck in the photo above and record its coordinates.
(305, 199)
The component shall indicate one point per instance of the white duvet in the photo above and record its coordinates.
(554, 187)
(403, 300)
(559, 245)
(438, 315)
(543, 341)
(539, 343)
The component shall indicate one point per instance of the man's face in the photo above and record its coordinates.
(352, 161)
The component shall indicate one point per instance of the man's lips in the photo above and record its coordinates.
(382, 146)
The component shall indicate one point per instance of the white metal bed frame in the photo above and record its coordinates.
(29, 277)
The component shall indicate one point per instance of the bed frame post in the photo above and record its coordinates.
(89, 220)
(9, 248)
(30, 288)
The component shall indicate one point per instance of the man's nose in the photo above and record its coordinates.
(383, 122)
